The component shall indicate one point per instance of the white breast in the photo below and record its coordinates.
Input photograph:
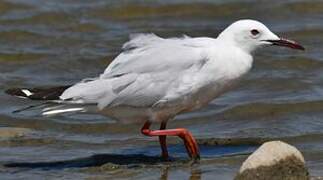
(224, 72)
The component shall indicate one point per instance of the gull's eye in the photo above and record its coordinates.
(254, 32)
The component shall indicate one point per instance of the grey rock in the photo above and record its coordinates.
(274, 160)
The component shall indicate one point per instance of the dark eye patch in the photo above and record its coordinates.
(254, 32)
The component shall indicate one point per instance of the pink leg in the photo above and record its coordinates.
(162, 141)
(189, 141)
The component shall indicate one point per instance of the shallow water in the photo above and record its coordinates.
(55, 42)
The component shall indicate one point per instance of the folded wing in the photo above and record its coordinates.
(149, 69)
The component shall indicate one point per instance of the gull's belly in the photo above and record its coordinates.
(207, 94)
(200, 98)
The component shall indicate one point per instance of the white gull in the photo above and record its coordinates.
(154, 78)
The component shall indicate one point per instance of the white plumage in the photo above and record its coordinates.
(155, 78)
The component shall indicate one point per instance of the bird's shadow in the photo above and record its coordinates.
(129, 160)
(140, 158)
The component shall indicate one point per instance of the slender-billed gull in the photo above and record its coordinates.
(153, 79)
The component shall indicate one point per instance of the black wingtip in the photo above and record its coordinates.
(52, 93)
(15, 92)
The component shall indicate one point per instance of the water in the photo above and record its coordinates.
(58, 42)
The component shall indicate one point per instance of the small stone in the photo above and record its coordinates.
(274, 160)
(13, 132)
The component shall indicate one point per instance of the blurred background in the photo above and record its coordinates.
(59, 42)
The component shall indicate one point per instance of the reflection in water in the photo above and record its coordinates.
(195, 173)
(164, 173)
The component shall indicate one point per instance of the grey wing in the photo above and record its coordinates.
(149, 69)
(147, 53)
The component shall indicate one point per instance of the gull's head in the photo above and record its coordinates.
(249, 35)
